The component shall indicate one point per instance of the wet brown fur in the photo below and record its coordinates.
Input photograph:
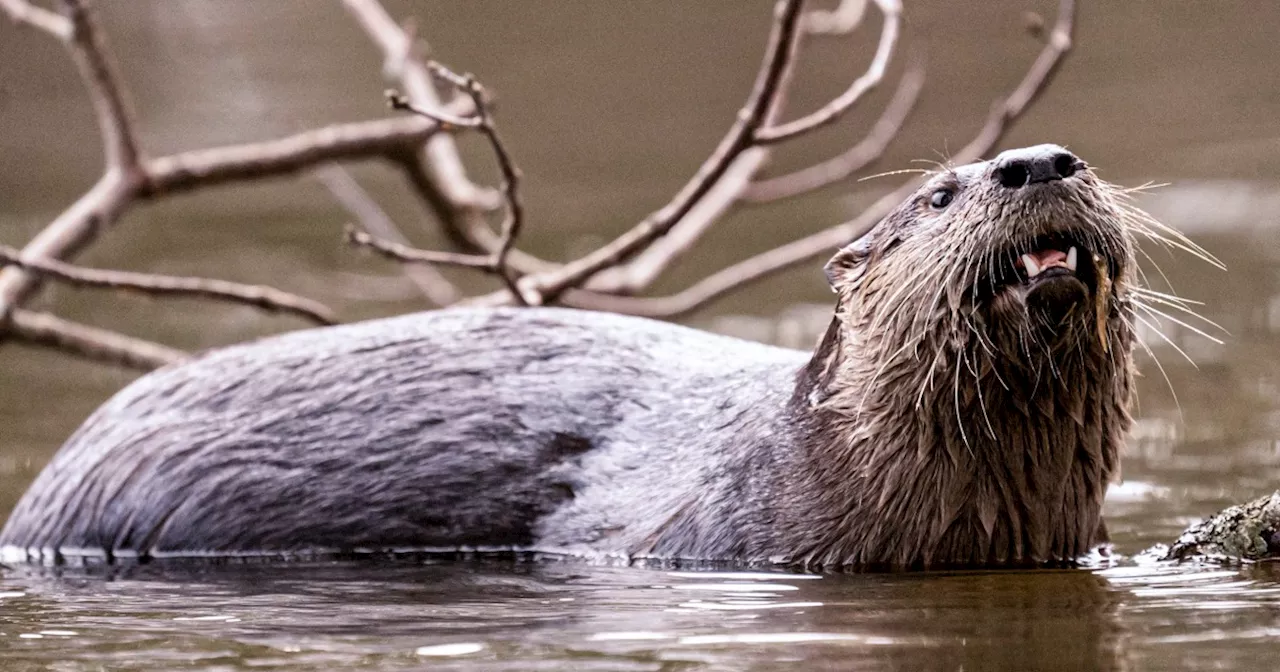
(949, 427)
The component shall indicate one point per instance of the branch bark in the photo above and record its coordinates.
(834, 110)
(851, 161)
(100, 345)
(777, 61)
(456, 201)
(258, 296)
(274, 158)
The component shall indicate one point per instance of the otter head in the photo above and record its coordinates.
(975, 382)
(1028, 249)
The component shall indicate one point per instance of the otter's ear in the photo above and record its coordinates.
(849, 263)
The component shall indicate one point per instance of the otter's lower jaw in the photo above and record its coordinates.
(1055, 296)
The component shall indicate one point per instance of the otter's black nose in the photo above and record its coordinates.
(1029, 165)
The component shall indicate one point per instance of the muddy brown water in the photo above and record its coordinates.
(609, 105)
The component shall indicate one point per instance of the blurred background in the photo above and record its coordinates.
(609, 107)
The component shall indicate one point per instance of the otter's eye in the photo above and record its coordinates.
(941, 198)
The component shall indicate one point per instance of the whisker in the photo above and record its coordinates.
(1140, 297)
(1166, 339)
(889, 173)
(1177, 404)
(1174, 237)
(1157, 312)
(1168, 283)
(982, 403)
(1173, 298)
(959, 419)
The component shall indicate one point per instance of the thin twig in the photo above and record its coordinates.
(511, 224)
(49, 331)
(851, 161)
(375, 220)
(834, 110)
(1042, 70)
(483, 122)
(446, 120)
(476, 235)
(259, 296)
(441, 179)
(404, 253)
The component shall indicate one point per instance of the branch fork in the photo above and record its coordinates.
(421, 146)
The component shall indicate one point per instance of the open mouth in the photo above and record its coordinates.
(1052, 272)
(1056, 259)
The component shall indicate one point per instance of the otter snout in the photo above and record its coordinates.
(1017, 168)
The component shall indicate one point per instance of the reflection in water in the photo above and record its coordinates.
(520, 616)
(557, 614)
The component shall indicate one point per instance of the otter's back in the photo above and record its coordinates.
(448, 428)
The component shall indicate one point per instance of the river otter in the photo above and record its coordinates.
(965, 407)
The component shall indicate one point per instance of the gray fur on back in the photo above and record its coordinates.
(545, 428)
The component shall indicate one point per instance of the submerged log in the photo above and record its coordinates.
(1249, 531)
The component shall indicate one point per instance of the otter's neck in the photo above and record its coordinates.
(948, 453)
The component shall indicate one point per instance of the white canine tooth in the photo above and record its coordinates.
(1033, 269)
(1071, 259)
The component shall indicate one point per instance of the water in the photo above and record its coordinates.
(609, 106)
(558, 616)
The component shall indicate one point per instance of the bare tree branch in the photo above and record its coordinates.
(1005, 112)
(834, 110)
(100, 345)
(482, 121)
(75, 228)
(729, 174)
(456, 201)
(650, 263)
(750, 270)
(259, 296)
(777, 61)
(375, 220)
(283, 156)
(129, 177)
(405, 253)
(851, 161)
(89, 51)
(601, 279)
(102, 204)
